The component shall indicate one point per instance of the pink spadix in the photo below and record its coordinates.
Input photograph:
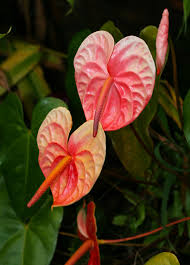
(162, 41)
(71, 167)
(114, 83)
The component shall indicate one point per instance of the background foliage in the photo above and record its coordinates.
(145, 180)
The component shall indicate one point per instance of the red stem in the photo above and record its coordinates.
(88, 244)
(102, 241)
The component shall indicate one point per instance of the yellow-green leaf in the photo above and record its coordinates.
(168, 104)
(164, 258)
(20, 63)
(32, 88)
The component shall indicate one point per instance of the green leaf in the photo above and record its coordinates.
(169, 181)
(128, 148)
(2, 35)
(186, 117)
(110, 27)
(18, 157)
(137, 220)
(120, 220)
(27, 236)
(32, 88)
(149, 34)
(72, 93)
(41, 110)
(168, 105)
(186, 9)
(20, 63)
(164, 258)
(31, 243)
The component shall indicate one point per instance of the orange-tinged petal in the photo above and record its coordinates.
(82, 140)
(162, 41)
(70, 183)
(52, 137)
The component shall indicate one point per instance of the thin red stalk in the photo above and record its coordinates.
(110, 241)
(88, 244)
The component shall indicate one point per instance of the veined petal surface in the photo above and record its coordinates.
(52, 138)
(82, 140)
(132, 67)
(91, 71)
(162, 41)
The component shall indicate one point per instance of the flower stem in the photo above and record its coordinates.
(49, 180)
(88, 244)
(111, 241)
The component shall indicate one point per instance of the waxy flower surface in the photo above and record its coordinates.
(114, 83)
(86, 223)
(162, 41)
(72, 166)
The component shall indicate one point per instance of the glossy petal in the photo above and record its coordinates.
(90, 64)
(132, 71)
(52, 138)
(162, 41)
(81, 224)
(82, 140)
(79, 176)
(86, 223)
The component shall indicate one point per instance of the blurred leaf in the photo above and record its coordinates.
(120, 220)
(186, 117)
(32, 242)
(71, 3)
(41, 110)
(169, 181)
(149, 34)
(168, 105)
(187, 208)
(72, 93)
(164, 258)
(110, 27)
(186, 9)
(128, 148)
(163, 121)
(4, 34)
(20, 63)
(32, 88)
(136, 221)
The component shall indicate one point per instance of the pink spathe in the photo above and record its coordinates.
(114, 83)
(162, 41)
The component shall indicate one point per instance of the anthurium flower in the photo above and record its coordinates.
(72, 166)
(114, 83)
(162, 41)
(86, 223)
